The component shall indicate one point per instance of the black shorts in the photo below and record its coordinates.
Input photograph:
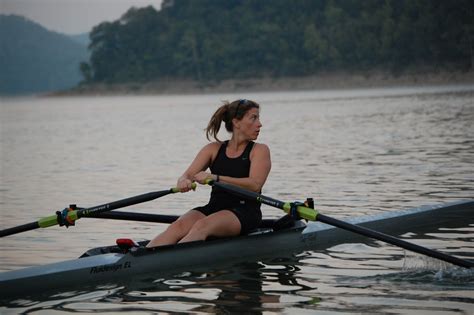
(248, 216)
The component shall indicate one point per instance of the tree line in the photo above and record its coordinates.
(212, 40)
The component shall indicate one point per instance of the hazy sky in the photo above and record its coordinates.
(72, 16)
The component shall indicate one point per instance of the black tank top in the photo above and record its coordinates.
(238, 167)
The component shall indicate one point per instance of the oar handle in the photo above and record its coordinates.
(176, 189)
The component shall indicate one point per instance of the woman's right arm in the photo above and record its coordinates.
(200, 163)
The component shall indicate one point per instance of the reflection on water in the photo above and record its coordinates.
(356, 152)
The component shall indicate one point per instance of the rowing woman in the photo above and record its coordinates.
(238, 161)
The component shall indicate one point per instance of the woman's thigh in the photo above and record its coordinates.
(223, 223)
(187, 220)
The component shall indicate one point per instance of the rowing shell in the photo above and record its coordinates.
(109, 265)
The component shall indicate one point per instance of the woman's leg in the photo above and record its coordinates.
(177, 230)
(223, 223)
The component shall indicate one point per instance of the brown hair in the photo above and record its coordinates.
(226, 113)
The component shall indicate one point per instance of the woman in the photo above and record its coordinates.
(238, 161)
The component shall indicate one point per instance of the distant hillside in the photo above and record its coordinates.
(209, 41)
(82, 39)
(35, 60)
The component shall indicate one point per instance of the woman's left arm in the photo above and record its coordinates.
(259, 167)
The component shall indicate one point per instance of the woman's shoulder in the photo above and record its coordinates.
(212, 147)
(260, 148)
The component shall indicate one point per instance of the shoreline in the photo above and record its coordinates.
(326, 81)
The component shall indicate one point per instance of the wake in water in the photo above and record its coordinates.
(424, 268)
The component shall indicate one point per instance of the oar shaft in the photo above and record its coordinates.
(135, 216)
(123, 203)
(395, 241)
(19, 229)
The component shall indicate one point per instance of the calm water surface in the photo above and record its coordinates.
(355, 151)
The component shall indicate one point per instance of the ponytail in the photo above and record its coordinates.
(214, 124)
(226, 113)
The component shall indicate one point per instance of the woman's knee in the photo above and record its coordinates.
(186, 221)
(200, 226)
(177, 225)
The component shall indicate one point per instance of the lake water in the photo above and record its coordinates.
(354, 151)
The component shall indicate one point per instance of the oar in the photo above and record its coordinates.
(136, 216)
(155, 218)
(68, 216)
(313, 215)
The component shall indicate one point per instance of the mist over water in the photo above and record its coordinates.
(355, 152)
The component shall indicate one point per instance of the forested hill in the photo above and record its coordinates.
(35, 60)
(215, 39)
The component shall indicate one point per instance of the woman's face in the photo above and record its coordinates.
(250, 124)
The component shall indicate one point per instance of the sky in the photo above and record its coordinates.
(72, 17)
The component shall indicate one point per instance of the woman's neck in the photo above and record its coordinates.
(237, 145)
